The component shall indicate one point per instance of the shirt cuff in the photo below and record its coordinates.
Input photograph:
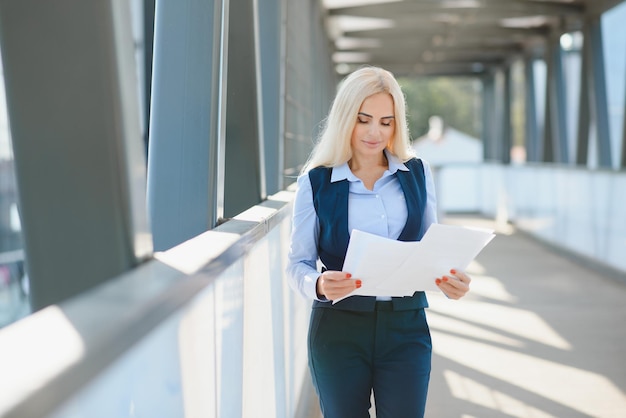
(310, 287)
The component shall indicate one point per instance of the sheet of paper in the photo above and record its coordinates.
(389, 267)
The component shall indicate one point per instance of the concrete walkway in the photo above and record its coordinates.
(538, 336)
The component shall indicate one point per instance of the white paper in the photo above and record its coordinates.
(387, 267)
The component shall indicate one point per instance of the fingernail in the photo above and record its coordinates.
(445, 279)
(453, 271)
(348, 275)
(358, 283)
(438, 281)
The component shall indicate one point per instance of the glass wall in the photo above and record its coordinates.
(309, 84)
(13, 279)
(614, 39)
(14, 283)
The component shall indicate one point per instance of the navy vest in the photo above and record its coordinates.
(331, 205)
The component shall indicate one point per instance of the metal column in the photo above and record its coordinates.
(244, 171)
(584, 107)
(74, 113)
(555, 134)
(532, 130)
(148, 48)
(593, 105)
(623, 159)
(505, 145)
(269, 21)
(489, 109)
(186, 151)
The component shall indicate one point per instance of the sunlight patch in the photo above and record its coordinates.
(476, 393)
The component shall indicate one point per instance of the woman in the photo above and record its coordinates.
(362, 175)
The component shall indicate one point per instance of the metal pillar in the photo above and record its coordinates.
(555, 134)
(497, 118)
(505, 144)
(269, 22)
(489, 109)
(584, 108)
(244, 171)
(593, 98)
(186, 151)
(532, 130)
(73, 106)
(310, 82)
(148, 48)
(623, 159)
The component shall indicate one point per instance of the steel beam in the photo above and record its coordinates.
(532, 129)
(73, 103)
(186, 151)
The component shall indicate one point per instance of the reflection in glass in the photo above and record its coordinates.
(13, 278)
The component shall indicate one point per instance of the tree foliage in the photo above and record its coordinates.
(457, 100)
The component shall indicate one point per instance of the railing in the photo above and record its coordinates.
(572, 208)
(210, 327)
(206, 329)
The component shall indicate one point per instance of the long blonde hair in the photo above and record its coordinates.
(333, 147)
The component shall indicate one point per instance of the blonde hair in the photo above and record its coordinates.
(333, 147)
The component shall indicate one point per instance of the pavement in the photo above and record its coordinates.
(538, 336)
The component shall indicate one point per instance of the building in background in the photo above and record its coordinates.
(443, 144)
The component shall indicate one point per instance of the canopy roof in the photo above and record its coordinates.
(449, 37)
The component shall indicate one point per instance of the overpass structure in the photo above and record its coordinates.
(147, 157)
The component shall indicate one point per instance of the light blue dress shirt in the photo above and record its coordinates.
(381, 211)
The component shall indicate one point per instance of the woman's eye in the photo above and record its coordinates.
(386, 124)
(361, 120)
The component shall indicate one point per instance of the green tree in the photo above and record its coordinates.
(457, 100)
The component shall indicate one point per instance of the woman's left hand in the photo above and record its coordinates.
(456, 285)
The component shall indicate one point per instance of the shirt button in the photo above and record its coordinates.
(382, 216)
(377, 196)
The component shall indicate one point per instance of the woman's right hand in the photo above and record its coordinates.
(336, 284)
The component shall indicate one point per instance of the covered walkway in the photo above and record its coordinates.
(539, 336)
(148, 154)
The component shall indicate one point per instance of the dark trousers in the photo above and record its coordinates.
(353, 353)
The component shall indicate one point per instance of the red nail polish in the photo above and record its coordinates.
(445, 279)
(453, 271)
(438, 281)
(348, 275)
(359, 283)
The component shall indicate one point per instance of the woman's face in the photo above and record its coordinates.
(375, 125)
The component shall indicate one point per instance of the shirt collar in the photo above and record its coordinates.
(343, 172)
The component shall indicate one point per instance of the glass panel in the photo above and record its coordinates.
(224, 354)
(13, 278)
(308, 82)
(614, 40)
